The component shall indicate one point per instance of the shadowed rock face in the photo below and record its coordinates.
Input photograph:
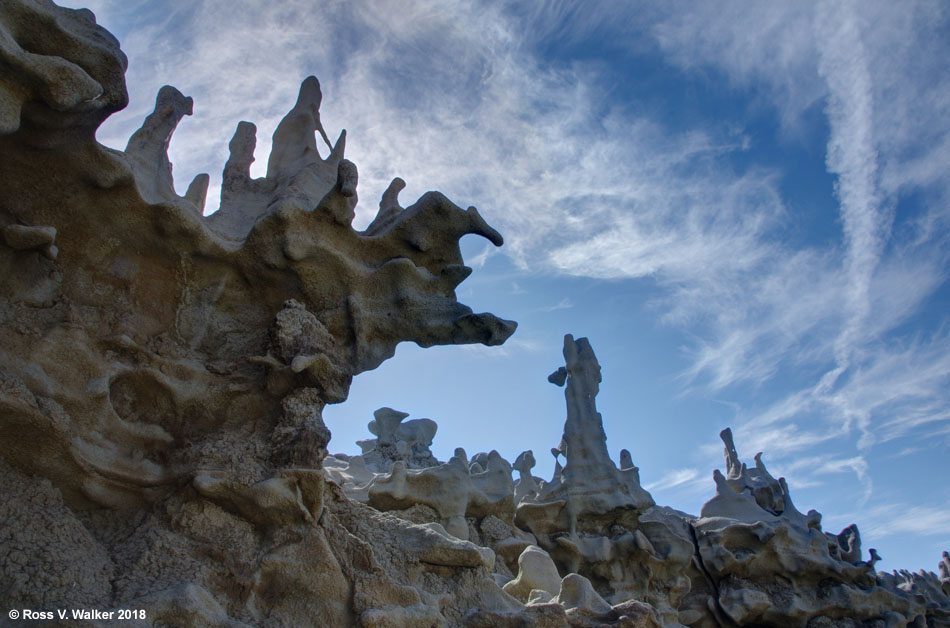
(594, 518)
(591, 483)
(164, 373)
(61, 70)
(136, 327)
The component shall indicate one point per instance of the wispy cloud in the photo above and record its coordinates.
(454, 97)
(675, 478)
(770, 48)
(837, 311)
(898, 519)
(478, 260)
(563, 304)
(852, 157)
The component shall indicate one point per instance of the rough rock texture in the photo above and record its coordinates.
(395, 440)
(148, 328)
(769, 564)
(593, 517)
(592, 544)
(164, 375)
(536, 571)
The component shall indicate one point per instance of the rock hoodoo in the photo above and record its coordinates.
(163, 376)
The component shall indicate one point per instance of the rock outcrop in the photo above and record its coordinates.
(396, 440)
(593, 517)
(163, 376)
(146, 327)
(590, 547)
(769, 564)
(164, 373)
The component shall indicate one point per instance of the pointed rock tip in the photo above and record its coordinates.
(336, 153)
(309, 93)
(482, 228)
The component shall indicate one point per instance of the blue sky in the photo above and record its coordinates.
(744, 205)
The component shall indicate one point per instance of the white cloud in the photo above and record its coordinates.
(754, 44)
(451, 96)
(836, 311)
(852, 157)
(478, 260)
(673, 479)
(511, 347)
(896, 519)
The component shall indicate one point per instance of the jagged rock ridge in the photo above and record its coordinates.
(164, 374)
(592, 541)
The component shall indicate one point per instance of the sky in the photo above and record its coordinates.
(743, 205)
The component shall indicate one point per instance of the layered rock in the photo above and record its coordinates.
(593, 517)
(141, 322)
(164, 375)
(767, 564)
(589, 547)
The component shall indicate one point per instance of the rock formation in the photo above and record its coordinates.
(769, 564)
(395, 440)
(588, 517)
(592, 541)
(164, 374)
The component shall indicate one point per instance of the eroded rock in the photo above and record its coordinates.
(769, 564)
(164, 375)
(536, 571)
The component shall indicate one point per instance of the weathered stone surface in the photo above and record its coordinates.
(47, 556)
(24, 238)
(408, 441)
(536, 571)
(147, 151)
(593, 517)
(154, 304)
(164, 373)
(590, 483)
(770, 565)
(433, 545)
(526, 485)
(576, 594)
(61, 70)
(751, 558)
(586, 609)
(163, 377)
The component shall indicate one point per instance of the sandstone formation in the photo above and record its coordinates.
(164, 374)
(397, 440)
(591, 542)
